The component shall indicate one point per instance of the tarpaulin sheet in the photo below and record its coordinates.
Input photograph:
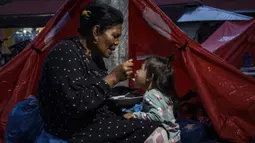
(231, 40)
(19, 78)
(227, 94)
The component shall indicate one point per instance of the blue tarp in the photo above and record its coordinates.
(24, 123)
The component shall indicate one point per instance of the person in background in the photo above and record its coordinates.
(3, 58)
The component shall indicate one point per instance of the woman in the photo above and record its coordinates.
(74, 84)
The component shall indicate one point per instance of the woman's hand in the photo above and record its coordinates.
(120, 73)
(128, 115)
(125, 70)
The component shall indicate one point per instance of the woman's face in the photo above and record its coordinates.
(108, 40)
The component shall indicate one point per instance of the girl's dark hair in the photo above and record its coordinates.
(162, 74)
(98, 14)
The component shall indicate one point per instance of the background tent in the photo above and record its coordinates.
(224, 91)
(231, 40)
(227, 95)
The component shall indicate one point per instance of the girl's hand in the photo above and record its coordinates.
(128, 115)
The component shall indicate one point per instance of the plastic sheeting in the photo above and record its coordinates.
(227, 94)
(231, 40)
(19, 78)
(24, 123)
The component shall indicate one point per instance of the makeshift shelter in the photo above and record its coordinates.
(231, 40)
(190, 15)
(225, 92)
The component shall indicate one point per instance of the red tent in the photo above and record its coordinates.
(225, 92)
(231, 40)
(18, 79)
(227, 95)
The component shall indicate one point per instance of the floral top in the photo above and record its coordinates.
(156, 107)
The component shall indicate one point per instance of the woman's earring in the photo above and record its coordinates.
(95, 41)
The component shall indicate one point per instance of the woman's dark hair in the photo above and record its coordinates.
(98, 14)
(162, 74)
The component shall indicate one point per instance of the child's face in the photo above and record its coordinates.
(141, 78)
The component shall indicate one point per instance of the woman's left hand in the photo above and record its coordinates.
(128, 115)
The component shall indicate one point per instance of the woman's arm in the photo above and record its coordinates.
(70, 81)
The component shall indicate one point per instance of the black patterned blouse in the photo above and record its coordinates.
(72, 98)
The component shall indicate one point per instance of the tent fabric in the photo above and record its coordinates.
(19, 78)
(225, 92)
(228, 96)
(231, 40)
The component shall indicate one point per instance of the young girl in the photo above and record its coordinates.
(156, 77)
